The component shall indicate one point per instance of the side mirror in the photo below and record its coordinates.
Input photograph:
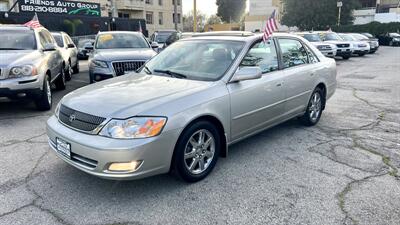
(247, 73)
(71, 46)
(154, 45)
(49, 47)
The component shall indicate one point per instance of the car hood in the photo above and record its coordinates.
(337, 42)
(320, 43)
(18, 57)
(123, 54)
(130, 95)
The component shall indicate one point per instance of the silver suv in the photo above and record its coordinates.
(30, 62)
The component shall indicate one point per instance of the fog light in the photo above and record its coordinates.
(126, 167)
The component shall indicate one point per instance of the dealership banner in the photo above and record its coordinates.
(60, 7)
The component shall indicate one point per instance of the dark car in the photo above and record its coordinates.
(391, 39)
(83, 44)
(164, 38)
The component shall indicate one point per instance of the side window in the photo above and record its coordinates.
(312, 58)
(263, 55)
(293, 53)
(42, 39)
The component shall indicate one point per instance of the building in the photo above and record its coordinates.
(159, 14)
(259, 12)
(383, 11)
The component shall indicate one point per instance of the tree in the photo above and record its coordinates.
(317, 14)
(188, 21)
(214, 19)
(231, 10)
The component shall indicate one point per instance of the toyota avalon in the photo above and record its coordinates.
(189, 103)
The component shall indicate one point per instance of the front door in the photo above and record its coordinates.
(256, 104)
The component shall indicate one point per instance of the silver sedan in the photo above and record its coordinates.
(186, 106)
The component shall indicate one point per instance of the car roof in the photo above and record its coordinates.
(120, 32)
(237, 37)
(15, 27)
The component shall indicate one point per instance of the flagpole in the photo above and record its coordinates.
(194, 16)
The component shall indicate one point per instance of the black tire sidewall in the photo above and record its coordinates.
(42, 102)
(178, 159)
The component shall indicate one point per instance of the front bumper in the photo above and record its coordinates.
(99, 74)
(99, 152)
(329, 53)
(25, 86)
(344, 52)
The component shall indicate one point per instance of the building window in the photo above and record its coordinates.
(4, 6)
(160, 2)
(149, 2)
(179, 17)
(149, 17)
(178, 2)
(160, 18)
(123, 15)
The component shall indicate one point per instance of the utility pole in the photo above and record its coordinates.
(194, 16)
(176, 14)
(114, 12)
(339, 5)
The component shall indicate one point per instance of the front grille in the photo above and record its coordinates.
(343, 45)
(79, 120)
(121, 67)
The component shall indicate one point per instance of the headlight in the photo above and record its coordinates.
(57, 111)
(396, 39)
(100, 64)
(26, 70)
(135, 127)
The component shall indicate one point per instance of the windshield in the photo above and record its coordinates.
(17, 40)
(312, 37)
(83, 43)
(59, 40)
(360, 37)
(120, 40)
(332, 37)
(347, 37)
(368, 35)
(195, 59)
(162, 37)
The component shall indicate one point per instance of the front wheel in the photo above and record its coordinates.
(391, 43)
(314, 109)
(346, 57)
(197, 151)
(44, 101)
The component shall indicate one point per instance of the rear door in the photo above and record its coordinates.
(300, 74)
(256, 104)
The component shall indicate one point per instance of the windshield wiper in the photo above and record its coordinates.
(171, 73)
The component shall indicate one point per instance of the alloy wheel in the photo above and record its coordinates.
(48, 91)
(314, 109)
(199, 151)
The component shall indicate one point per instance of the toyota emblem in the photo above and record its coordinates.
(72, 118)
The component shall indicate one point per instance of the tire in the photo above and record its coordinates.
(346, 57)
(68, 72)
(314, 108)
(60, 81)
(391, 43)
(76, 67)
(45, 100)
(361, 54)
(193, 159)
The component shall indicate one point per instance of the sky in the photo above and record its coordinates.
(207, 7)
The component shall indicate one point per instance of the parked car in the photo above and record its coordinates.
(189, 103)
(391, 39)
(83, 52)
(373, 42)
(344, 48)
(116, 53)
(30, 63)
(69, 53)
(329, 50)
(360, 48)
(163, 38)
(188, 35)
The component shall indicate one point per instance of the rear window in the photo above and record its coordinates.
(17, 40)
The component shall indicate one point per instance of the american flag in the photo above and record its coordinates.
(34, 23)
(270, 26)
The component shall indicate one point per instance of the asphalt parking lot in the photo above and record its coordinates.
(343, 171)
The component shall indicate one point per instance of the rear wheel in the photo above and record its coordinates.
(314, 109)
(361, 54)
(44, 101)
(346, 57)
(197, 151)
(69, 71)
(60, 81)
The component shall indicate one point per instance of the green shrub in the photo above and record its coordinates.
(374, 28)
